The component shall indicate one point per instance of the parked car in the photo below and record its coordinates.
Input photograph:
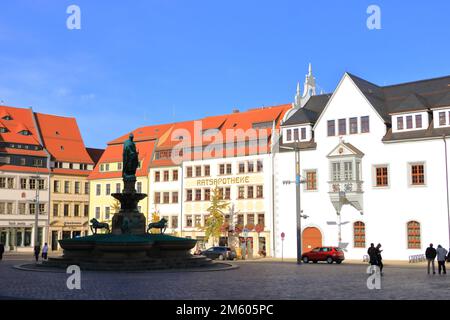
(328, 254)
(221, 253)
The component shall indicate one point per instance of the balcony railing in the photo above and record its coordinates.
(347, 186)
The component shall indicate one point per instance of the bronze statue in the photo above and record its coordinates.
(98, 225)
(161, 225)
(130, 159)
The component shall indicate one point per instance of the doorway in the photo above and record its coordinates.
(311, 238)
(54, 240)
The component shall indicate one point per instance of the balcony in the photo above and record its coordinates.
(346, 192)
(347, 186)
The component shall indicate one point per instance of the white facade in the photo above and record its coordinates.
(386, 210)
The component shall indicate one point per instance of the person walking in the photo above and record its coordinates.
(430, 255)
(441, 256)
(37, 250)
(379, 258)
(45, 251)
(2, 250)
(372, 252)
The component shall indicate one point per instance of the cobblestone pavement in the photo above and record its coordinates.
(262, 280)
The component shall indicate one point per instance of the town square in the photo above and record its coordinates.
(223, 152)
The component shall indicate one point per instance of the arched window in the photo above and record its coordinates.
(359, 234)
(413, 228)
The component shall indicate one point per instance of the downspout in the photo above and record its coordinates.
(446, 184)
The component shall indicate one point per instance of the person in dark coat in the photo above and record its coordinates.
(37, 250)
(2, 250)
(430, 255)
(372, 252)
(379, 258)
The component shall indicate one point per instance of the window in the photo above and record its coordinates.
(117, 187)
(32, 183)
(303, 133)
(399, 123)
(157, 197)
(77, 187)
(241, 192)
(174, 197)
(157, 176)
(348, 171)
(250, 219)
(107, 212)
(98, 190)
(66, 186)
(10, 183)
(9, 208)
(55, 209)
(381, 177)
(198, 194)
(359, 234)
(207, 171)
(198, 220)
(37, 162)
(175, 175)
(41, 184)
(418, 121)
(240, 219)
(166, 197)
(86, 210)
(222, 169)
(22, 208)
(250, 192)
(365, 125)
(189, 195)
(331, 124)
(227, 193)
(353, 125)
(166, 176)
(413, 229)
(417, 174)
(174, 221)
(139, 187)
(242, 167)
(336, 171)
(342, 127)
(189, 221)
(229, 170)
(97, 213)
(66, 210)
(108, 189)
(56, 186)
(41, 208)
(86, 188)
(251, 166)
(442, 119)
(119, 166)
(261, 219)
(409, 122)
(198, 171)
(23, 161)
(259, 166)
(296, 135)
(259, 192)
(207, 194)
(23, 183)
(189, 172)
(76, 210)
(288, 135)
(311, 180)
(2, 182)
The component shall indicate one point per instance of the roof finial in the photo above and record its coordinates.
(310, 69)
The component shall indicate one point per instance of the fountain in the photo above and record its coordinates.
(128, 247)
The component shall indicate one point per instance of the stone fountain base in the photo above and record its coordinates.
(127, 252)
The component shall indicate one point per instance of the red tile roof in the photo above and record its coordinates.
(62, 138)
(22, 119)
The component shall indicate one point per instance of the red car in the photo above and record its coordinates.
(328, 254)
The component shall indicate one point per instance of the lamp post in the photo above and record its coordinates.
(446, 184)
(297, 182)
(36, 209)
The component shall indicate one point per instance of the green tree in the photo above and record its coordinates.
(215, 220)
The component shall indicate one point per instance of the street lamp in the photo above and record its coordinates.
(36, 209)
(297, 182)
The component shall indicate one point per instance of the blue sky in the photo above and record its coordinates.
(142, 62)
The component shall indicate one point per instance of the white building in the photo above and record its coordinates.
(373, 165)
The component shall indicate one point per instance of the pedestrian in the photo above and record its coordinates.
(372, 252)
(37, 250)
(379, 258)
(45, 251)
(430, 254)
(2, 250)
(441, 255)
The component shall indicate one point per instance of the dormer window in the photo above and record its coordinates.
(297, 134)
(3, 130)
(25, 133)
(409, 122)
(7, 117)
